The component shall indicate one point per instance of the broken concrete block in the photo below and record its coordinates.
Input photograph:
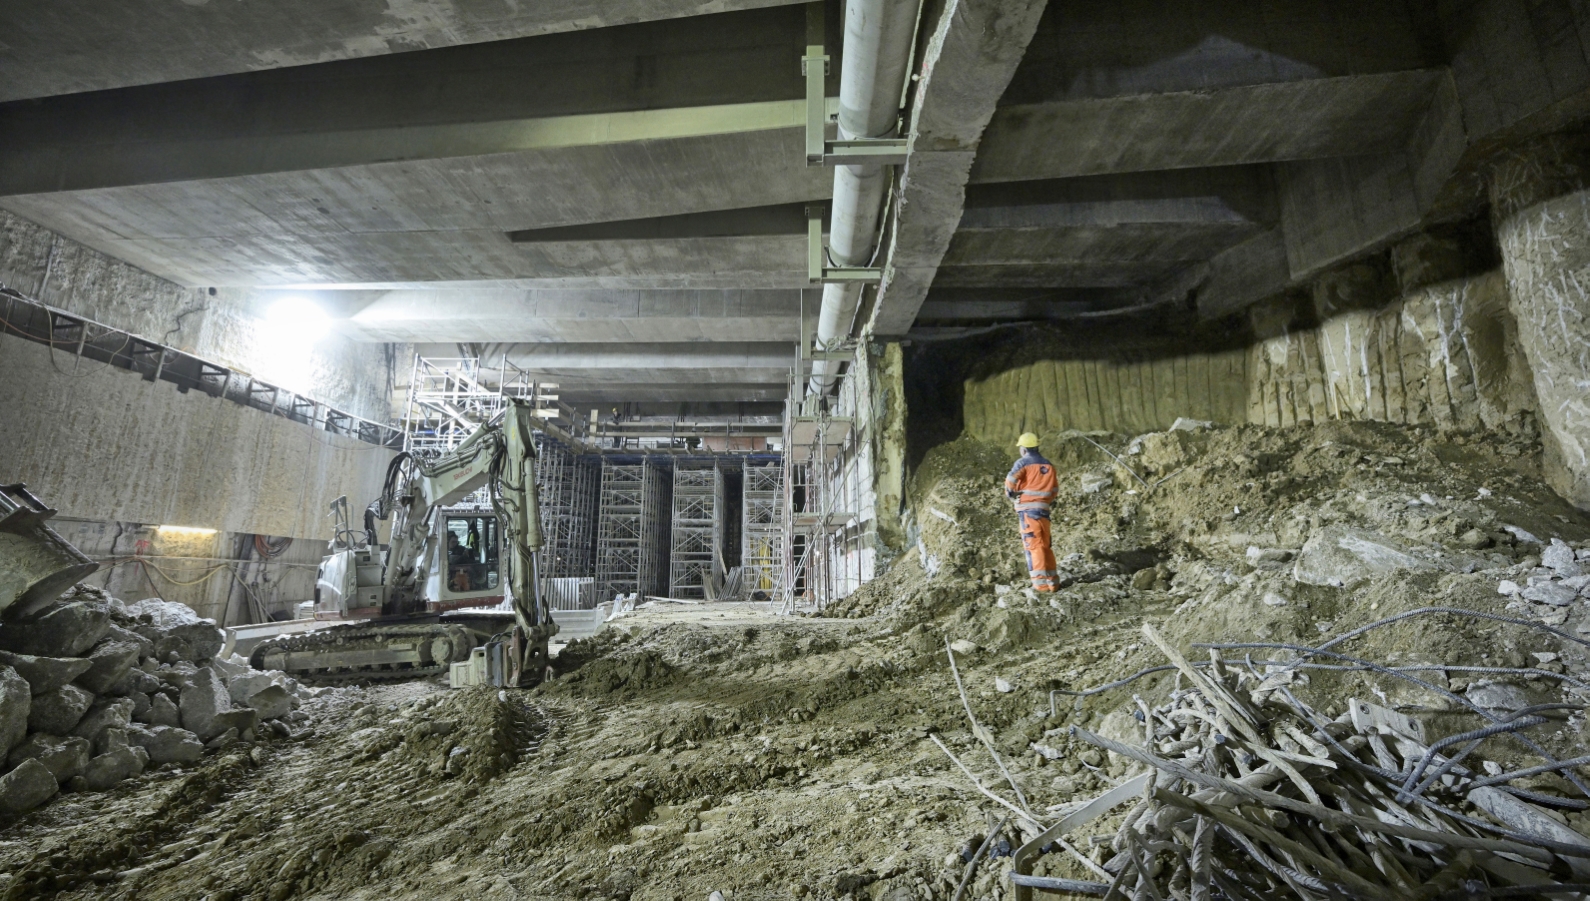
(271, 702)
(107, 769)
(16, 703)
(102, 716)
(167, 744)
(60, 630)
(1559, 558)
(26, 787)
(203, 698)
(1554, 593)
(63, 756)
(45, 673)
(1344, 557)
(109, 662)
(245, 686)
(59, 711)
(228, 737)
(1272, 559)
(1497, 696)
(163, 711)
(962, 646)
(140, 706)
(239, 718)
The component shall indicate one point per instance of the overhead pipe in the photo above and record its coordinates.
(872, 73)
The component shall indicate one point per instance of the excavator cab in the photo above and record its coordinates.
(468, 569)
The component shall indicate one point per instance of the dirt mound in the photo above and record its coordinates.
(775, 757)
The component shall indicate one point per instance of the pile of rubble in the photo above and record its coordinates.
(93, 690)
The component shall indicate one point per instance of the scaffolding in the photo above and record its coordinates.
(567, 483)
(762, 532)
(822, 493)
(449, 398)
(697, 529)
(631, 537)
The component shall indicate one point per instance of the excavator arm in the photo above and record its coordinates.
(518, 505)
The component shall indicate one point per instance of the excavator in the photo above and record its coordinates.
(414, 594)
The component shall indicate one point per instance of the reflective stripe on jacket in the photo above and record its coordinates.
(1032, 483)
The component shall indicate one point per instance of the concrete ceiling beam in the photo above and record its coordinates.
(615, 316)
(1259, 123)
(708, 75)
(967, 63)
(54, 48)
(681, 362)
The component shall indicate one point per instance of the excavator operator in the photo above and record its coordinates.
(1032, 486)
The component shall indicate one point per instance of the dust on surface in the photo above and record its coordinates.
(693, 749)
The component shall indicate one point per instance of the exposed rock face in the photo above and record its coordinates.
(62, 630)
(26, 787)
(64, 757)
(45, 673)
(203, 699)
(1538, 195)
(59, 711)
(166, 744)
(109, 662)
(16, 701)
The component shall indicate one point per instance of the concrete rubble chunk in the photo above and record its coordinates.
(1345, 557)
(61, 630)
(64, 756)
(271, 702)
(1272, 559)
(167, 744)
(1559, 558)
(239, 718)
(45, 673)
(204, 697)
(146, 648)
(26, 787)
(1554, 593)
(59, 711)
(109, 662)
(141, 706)
(245, 686)
(16, 704)
(112, 767)
(962, 646)
(105, 715)
(163, 711)
(1497, 696)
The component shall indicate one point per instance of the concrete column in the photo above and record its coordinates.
(1540, 202)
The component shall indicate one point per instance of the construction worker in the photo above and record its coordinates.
(1032, 485)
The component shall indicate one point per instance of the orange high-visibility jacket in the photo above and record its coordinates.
(1032, 483)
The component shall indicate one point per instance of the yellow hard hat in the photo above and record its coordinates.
(1027, 439)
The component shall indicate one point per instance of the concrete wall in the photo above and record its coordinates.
(102, 444)
(226, 327)
(218, 574)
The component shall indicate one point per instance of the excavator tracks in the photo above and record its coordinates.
(365, 653)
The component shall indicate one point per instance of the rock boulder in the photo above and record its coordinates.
(167, 744)
(203, 698)
(163, 711)
(26, 787)
(103, 716)
(45, 673)
(271, 702)
(63, 756)
(16, 702)
(110, 768)
(109, 663)
(59, 711)
(60, 630)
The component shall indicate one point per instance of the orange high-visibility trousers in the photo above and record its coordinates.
(1040, 556)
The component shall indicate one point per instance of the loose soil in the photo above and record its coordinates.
(688, 750)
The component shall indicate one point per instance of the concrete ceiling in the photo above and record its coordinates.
(615, 189)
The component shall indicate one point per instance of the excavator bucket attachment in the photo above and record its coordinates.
(36, 564)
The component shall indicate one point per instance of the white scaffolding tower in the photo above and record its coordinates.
(762, 534)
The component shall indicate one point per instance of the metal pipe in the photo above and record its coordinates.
(873, 68)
